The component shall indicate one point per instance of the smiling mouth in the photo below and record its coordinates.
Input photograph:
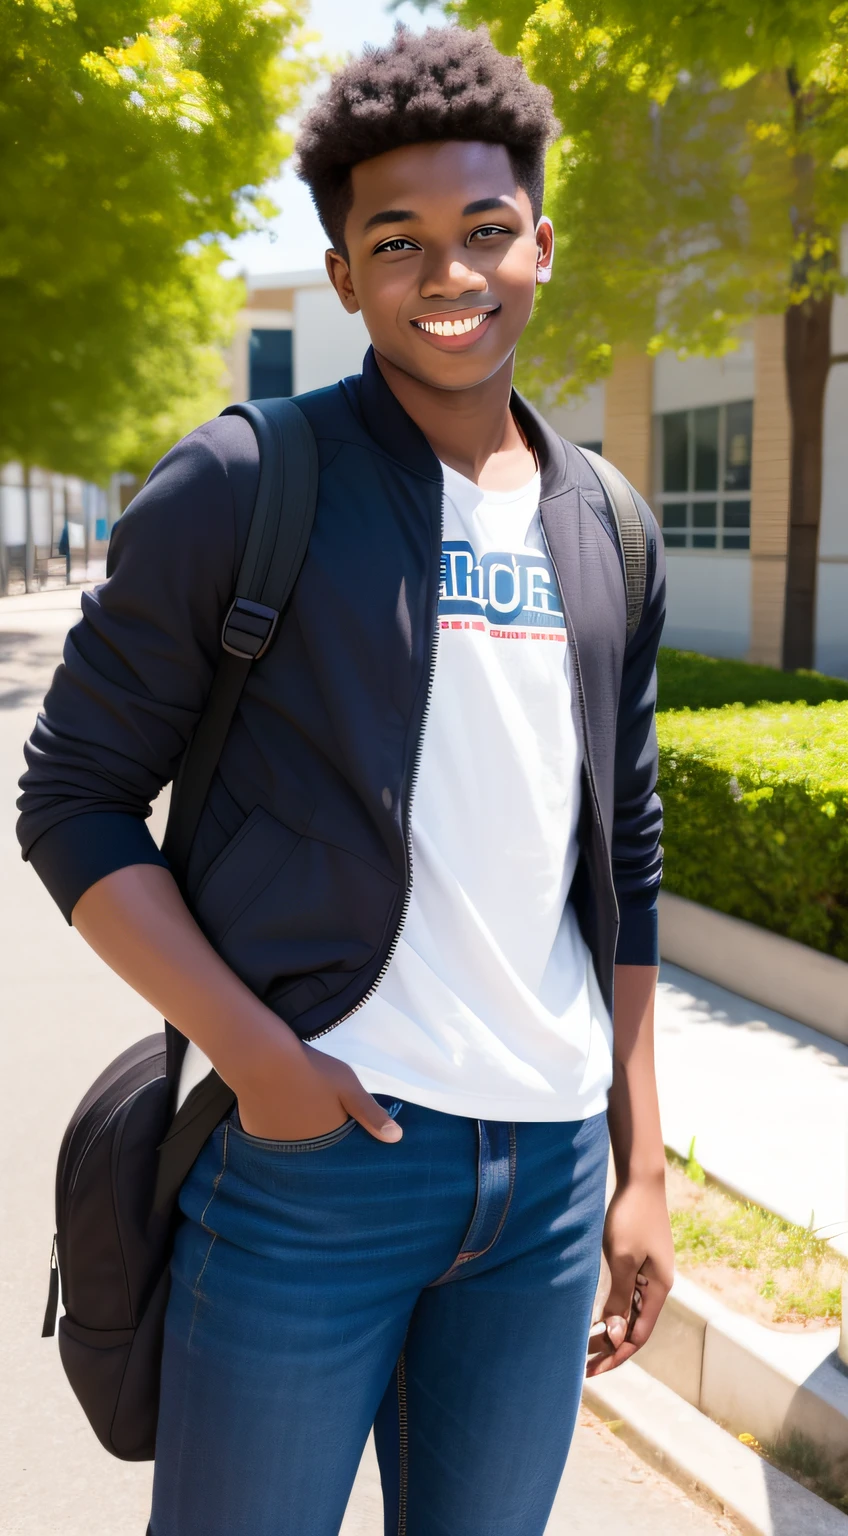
(454, 325)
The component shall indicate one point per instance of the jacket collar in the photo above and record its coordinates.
(547, 445)
(389, 425)
(399, 437)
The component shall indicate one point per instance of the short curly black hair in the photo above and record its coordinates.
(447, 83)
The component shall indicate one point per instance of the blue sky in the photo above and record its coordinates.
(297, 239)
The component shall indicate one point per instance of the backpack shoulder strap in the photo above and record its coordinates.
(631, 534)
(283, 514)
(277, 540)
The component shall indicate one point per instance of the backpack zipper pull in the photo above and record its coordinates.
(49, 1326)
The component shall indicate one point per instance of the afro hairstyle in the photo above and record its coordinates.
(447, 83)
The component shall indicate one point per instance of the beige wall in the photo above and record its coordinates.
(328, 342)
(627, 418)
(630, 394)
(769, 492)
(270, 298)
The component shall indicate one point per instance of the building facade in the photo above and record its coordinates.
(706, 440)
(53, 528)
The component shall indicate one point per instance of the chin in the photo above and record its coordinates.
(451, 373)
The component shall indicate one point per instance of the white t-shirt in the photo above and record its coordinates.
(490, 1006)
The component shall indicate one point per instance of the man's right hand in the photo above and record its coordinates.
(137, 921)
(309, 1097)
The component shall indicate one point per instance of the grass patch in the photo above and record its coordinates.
(687, 680)
(777, 1272)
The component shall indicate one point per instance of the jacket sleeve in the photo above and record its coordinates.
(138, 665)
(637, 823)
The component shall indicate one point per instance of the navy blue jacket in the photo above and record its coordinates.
(301, 869)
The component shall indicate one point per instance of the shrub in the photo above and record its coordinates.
(756, 808)
(689, 681)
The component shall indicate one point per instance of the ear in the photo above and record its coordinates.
(338, 272)
(544, 250)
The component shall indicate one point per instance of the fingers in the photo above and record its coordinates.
(371, 1115)
(618, 1308)
(598, 1365)
(652, 1298)
(649, 1294)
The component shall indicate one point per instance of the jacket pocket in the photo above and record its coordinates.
(296, 917)
(259, 851)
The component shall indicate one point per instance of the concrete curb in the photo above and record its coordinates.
(768, 969)
(705, 1460)
(748, 1377)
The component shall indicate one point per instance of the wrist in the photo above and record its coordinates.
(642, 1173)
(255, 1047)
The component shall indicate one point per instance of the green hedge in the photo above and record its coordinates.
(756, 815)
(689, 681)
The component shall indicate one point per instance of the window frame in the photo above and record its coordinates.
(692, 498)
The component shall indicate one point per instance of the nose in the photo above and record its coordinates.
(450, 277)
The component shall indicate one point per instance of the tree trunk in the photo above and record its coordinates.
(807, 353)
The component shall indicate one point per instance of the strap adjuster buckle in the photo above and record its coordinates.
(248, 629)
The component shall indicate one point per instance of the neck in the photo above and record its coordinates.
(472, 430)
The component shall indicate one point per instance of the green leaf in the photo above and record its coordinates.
(132, 138)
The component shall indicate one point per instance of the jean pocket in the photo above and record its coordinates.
(306, 1144)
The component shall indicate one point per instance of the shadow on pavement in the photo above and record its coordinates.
(27, 660)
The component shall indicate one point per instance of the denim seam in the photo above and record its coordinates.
(403, 1444)
(196, 1287)
(463, 1258)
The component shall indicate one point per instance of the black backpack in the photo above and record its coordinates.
(125, 1153)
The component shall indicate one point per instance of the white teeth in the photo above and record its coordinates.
(451, 327)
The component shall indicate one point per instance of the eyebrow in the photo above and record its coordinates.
(403, 215)
(390, 216)
(484, 205)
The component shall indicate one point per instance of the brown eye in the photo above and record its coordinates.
(485, 231)
(397, 243)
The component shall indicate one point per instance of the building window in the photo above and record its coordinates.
(270, 364)
(704, 461)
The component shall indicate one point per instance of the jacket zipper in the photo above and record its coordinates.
(581, 700)
(413, 780)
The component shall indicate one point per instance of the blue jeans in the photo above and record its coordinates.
(439, 1289)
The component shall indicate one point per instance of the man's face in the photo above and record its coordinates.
(443, 259)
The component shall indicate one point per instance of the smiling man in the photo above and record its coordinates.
(424, 882)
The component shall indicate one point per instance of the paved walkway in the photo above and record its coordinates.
(766, 1099)
(65, 1016)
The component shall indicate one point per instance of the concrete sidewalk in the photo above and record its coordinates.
(766, 1099)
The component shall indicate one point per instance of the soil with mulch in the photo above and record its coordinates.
(781, 1275)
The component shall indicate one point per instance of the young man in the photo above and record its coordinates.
(401, 1224)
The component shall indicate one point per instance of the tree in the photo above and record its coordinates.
(700, 180)
(133, 135)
